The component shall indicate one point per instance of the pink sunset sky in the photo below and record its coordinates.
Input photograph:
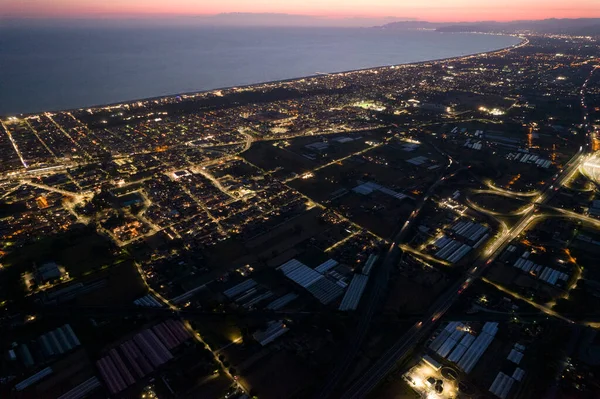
(430, 10)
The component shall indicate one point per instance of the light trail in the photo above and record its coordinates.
(196, 335)
(575, 215)
(312, 203)
(14, 144)
(9, 192)
(249, 139)
(322, 133)
(536, 305)
(214, 181)
(342, 241)
(493, 187)
(518, 212)
(142, 213)
(205, 209)
(40, 139)
(90, 133)
(67, 135)
(78, 196)
(420, 254)
(336, 161)
(509, 235)
(502, 193)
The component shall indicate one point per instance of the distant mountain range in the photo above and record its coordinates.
(284, 20)
(581, 26)
(241, 19)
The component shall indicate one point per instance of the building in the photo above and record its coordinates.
(49, 272)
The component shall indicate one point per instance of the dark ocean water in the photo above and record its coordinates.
(57, 68)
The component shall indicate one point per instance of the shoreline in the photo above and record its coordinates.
(524, 41)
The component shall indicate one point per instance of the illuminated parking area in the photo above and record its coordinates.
(427, 380)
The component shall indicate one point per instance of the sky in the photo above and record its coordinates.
(428, 10)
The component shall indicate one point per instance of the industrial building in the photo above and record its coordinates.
(274, 330)
(354, 292)
(326, 266)
(460, 239)
(82, 390)
(370, 187)
(322, 288)
(40, 375)
(529, 159)
(282, 301)
(49, 272)
(51, 345)
(503, 383)
(136, 358)
(544, 273)
(456, 343)
(366, 270)
(474, 145)
(148, 301)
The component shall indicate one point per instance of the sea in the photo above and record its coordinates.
(55, 68)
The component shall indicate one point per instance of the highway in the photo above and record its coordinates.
(371, 378)
(377, 288)
(382, 367)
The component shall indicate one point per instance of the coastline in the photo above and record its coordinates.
(524, 41)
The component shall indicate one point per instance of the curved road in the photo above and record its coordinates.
(371, 378)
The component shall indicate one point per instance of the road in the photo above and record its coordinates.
(378, 285)
(382, 367)
(371, 378)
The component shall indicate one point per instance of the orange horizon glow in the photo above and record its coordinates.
(427, 10)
